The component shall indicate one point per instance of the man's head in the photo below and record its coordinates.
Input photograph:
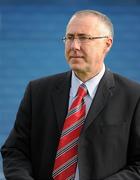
(89, 37)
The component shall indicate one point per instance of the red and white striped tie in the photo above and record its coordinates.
(67, 153)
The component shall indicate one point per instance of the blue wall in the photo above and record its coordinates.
(31, 46)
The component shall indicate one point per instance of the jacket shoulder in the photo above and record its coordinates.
(50, 80)
(127, 83)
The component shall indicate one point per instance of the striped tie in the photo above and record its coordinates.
(67, 153)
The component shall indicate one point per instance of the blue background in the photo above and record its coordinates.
(31, 46)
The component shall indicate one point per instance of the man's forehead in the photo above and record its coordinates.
(84, 17)
(83, 25)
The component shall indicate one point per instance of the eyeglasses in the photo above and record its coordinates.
(81, 38)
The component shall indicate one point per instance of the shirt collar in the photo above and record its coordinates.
(91, 84)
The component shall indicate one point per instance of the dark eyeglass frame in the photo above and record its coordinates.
(82, 38)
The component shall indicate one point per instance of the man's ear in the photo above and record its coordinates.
(109, 42)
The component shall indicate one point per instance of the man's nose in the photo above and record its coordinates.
(75, 44)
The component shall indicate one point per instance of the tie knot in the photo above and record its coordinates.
(82, 90)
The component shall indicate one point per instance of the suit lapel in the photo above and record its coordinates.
(104, 91)
(60, 97)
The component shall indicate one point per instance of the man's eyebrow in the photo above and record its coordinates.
(69, 34)
(79, 34)
(82, 34)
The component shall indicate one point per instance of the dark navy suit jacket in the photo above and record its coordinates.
(109, 145)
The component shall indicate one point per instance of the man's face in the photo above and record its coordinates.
(86, 57)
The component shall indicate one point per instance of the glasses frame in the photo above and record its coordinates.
(64, 39)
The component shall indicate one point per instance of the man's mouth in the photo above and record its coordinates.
(76, 56)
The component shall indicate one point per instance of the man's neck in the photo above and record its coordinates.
(88, 75)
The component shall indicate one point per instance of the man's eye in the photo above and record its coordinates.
(83, 38)
(70, 37)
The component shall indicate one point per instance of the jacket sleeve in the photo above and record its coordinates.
(132, 170)
(16, 150)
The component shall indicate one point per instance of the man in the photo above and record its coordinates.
(92, 134)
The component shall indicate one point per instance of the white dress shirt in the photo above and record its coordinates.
(92, 86)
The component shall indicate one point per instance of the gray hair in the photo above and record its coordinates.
(102, 17)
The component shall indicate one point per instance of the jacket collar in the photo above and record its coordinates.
(61, 91)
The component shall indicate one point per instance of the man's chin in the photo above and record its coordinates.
(77, 69)
(75, 66)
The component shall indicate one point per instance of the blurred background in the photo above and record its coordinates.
(31, 45)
